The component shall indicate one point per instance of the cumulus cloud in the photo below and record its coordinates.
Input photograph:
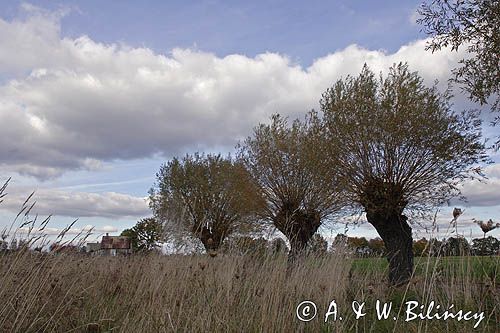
(414, 16)
(69, 104)
(72, 231)
(79, 204)
(486, 193)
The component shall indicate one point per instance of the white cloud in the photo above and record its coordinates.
(73, 231)
(414, 16)
(87, 231)
(71, 103)
(485, 193)
(78, 204)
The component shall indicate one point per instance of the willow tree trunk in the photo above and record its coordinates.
(298, 226)
(396, 234)
(298, 245)
(211, 241)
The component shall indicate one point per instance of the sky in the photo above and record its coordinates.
(96, 95)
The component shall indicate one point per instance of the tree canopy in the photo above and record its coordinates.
(287, 162)
(398, 147)
(396, 135)
(145, 235)
(208, 196)
(475, 25)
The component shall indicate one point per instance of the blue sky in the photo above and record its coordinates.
(95, 95)
(302, 30)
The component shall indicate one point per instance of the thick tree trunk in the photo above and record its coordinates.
(211, 241)
(396, 234)
(299, 227)
(297, 248)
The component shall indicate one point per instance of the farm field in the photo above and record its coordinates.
(72, 293)
(476, 267)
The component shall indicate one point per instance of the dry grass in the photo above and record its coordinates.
(76, 293)
(70, 292)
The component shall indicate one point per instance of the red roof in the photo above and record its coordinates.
(115, 242)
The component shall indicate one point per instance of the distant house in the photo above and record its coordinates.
(93, 247)
(110, 246)
(115, 245)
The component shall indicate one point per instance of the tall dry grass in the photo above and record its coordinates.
(153, 293)
(161, 293)
(72, 292)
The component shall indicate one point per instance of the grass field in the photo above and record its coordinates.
(72, 293)
(476, 267)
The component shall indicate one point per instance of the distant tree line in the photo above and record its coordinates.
(453, 246)
(147, 236)
(318, 246)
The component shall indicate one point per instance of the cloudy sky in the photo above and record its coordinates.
(96, 95)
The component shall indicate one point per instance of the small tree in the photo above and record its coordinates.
(421, 247)
(145, 235)
(488, 246)
(456, 246)
(357, 242)
(208, 196)
(376, 246)
(398, 147)
(287, 163)
(359, 245)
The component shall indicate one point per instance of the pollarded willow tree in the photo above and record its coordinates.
(207, 196)
(296, 181)
(399, 148)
